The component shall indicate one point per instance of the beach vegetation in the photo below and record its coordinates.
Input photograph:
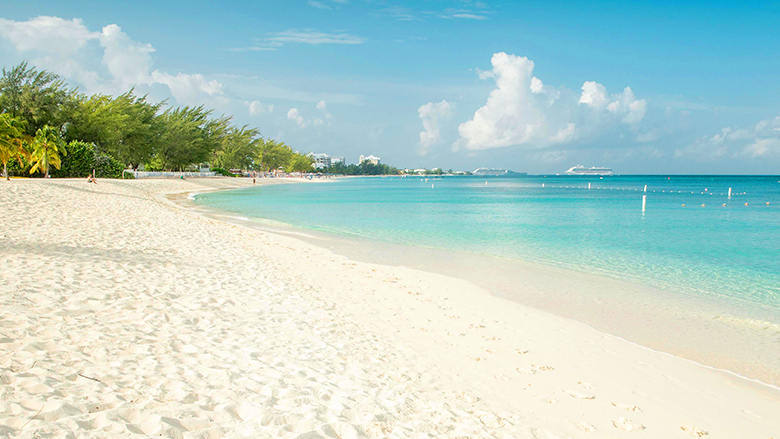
(238, 149)
(12, 140)
(79, 162)
(37, 97)
(47, 150)
(224, 172)
(188, 136)
(365, 168)
(124, 127)
(108, 134)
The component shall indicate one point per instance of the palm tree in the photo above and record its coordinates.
(11, 140)
(46, 149)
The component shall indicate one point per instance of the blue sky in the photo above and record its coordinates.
(681, 87)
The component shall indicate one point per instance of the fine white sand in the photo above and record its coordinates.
(125, 315)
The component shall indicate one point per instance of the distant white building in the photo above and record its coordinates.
(334, 160)
(420, 171)
(370, 159)
(321, 161)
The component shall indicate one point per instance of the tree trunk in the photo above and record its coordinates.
(5, 171)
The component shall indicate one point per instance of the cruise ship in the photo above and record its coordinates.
(581, 170)
(481, 172)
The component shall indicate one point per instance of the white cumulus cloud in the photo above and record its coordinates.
(524, 112)
(593, 94)
(52, 34)
(296, 117)
(62, 47)
(323, 107)
(128, 61)
(432, 115)
(516, 113)
(257, 107)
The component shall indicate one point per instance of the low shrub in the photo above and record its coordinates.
(224, 172)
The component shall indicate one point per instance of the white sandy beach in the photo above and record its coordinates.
(123, 314)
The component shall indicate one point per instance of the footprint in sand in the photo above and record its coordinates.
(468, 398)
(584, 426)
(694, 431)
(629, 407)
(585, 385)
(521, 351)
(543, 368)
(579, 395)
(627, 424)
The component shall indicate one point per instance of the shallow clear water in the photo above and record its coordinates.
(729, 254)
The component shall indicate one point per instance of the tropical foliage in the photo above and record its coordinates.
(40, 115)
(36, 97)
(47, 150)
(365, 168)
(12, 135)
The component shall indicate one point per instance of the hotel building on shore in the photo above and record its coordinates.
(322, 161)
(370, 159)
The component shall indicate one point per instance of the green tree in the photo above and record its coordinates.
(274, 154)
(299, 163)
(239, 148)
(11, 140)
(36, 97)
(79, 162)
(187, 137)
(125, 127)
(46, 150)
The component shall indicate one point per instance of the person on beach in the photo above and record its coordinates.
(91, 179)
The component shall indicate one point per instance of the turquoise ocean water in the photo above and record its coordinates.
(728, 254)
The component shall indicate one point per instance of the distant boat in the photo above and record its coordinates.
(581, 170)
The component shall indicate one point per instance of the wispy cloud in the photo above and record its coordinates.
(318, 5)
(400, 13)
(466, 11)
(255, 48)
(464, 14)
(762, 139)
(313, 37)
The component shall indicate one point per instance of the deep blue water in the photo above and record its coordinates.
(730, 254)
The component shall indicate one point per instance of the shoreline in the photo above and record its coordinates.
(196, 327)
(695, 329)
